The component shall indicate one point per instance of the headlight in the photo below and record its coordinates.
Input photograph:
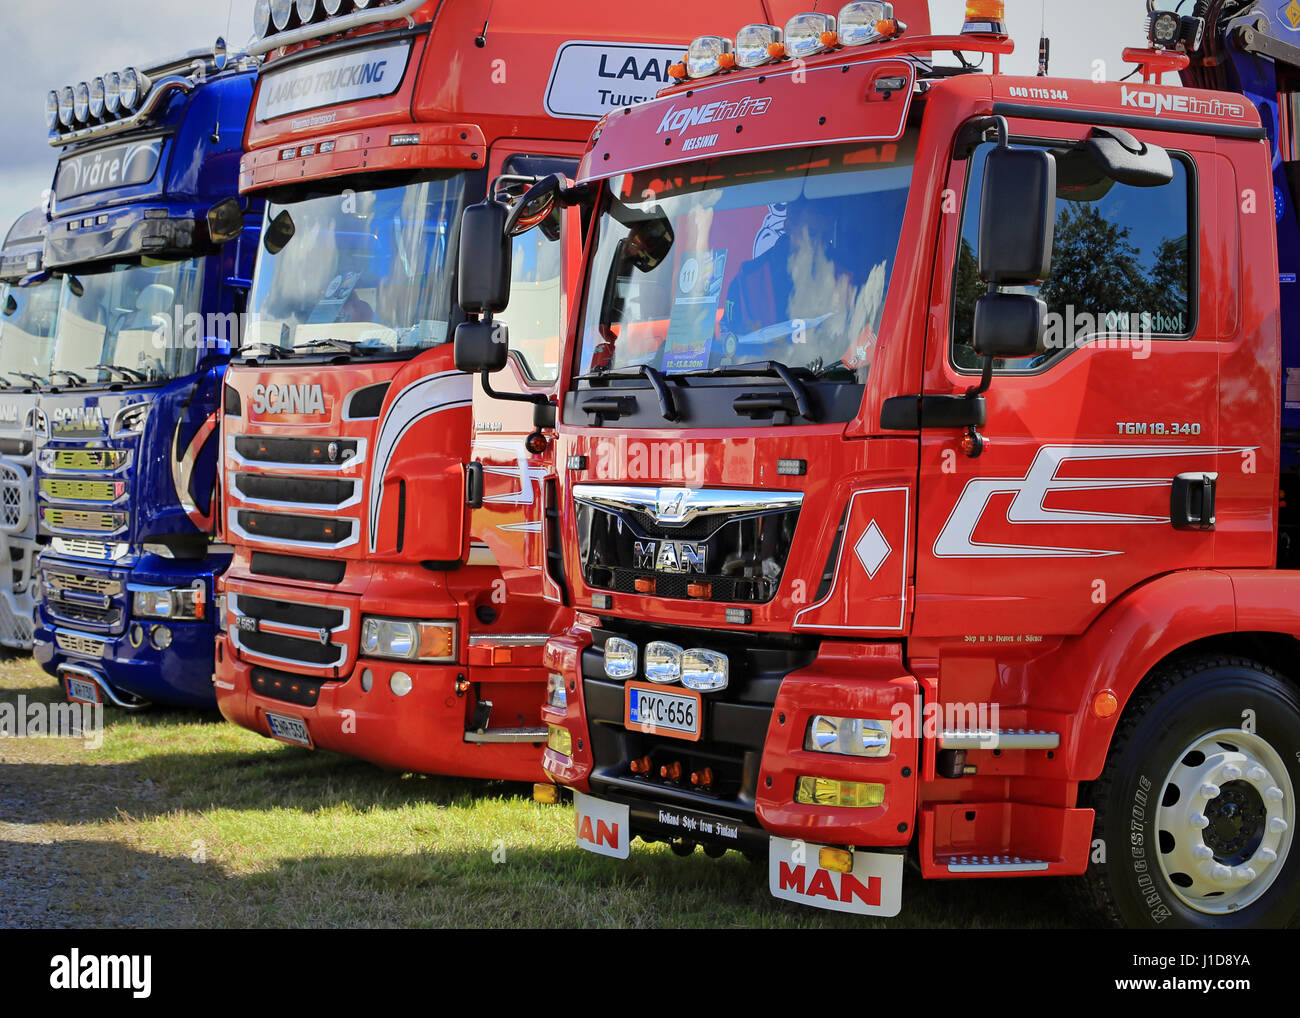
(129, 420)
(52, 110)
(97, 98)
(850, 736)
(663, 661)
(620, 658)
(281, 13)
(112, 92)
(704, 669)
(705, 55)
(408, 639)
(65, 105)
(555, 692)
(169, 602)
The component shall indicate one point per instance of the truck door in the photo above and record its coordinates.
(508, 530)
(1069, 503)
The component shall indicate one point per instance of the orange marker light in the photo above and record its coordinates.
(776, 50)
(672, 771)
(677, 71)
(1105, 704)
(644, 585)
(829, 39)
(699, 590)
(985, 17)
(887, 28)
(727, 61)
(641, 766)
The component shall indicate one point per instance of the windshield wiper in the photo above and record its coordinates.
(339, 345)
(36, 380)
(667, 404)
(273, 350)
(130, 374)
(776, 368)
(76, 378)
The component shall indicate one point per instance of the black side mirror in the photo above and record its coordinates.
(11, 305)
(1017, 216)
(482, 345)
(540, 206)
(225, 221)
(278, 233)
(76, 287)
(483, 270)
(1009, 324)
(1123, 158)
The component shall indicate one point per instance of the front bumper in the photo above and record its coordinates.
(759, 746)
(123, 652)
(423, 731)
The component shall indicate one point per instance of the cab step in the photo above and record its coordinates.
(995, 839)
(991, 864)
(537, 734)
(1000, 738)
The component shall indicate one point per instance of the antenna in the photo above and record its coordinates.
(1044, 44)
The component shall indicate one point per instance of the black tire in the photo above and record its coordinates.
(1178, 706)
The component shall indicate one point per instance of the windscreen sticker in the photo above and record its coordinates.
(589, 79)
(695, 311)
(119, 166)
(348, 77)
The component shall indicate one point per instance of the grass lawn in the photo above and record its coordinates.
(181, 819)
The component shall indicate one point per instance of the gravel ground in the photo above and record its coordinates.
(59, 867)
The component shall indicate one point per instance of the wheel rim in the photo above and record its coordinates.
(1225, 821)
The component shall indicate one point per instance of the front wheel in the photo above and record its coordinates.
(1196, 808)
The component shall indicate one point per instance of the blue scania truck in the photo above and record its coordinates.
(155, 250)
(29, 302)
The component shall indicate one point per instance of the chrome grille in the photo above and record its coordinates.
(76, 643)
(57, 581)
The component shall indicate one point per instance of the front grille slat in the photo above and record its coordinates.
(292, 648)
(292, 527)
(309, 616)
(76, 643)
(327, 492)
(296, 451)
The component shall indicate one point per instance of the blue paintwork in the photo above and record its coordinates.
(199, 166)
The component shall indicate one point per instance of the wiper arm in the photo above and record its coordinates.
(273, 350)
(667, 404)
(776, 368)
(36, 380)
(130, 374)
(76, 378)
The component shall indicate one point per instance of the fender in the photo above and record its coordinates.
(1128, 639)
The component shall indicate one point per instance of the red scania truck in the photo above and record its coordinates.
(926, 467)
(390, 595)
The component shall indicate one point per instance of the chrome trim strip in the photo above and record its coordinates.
(232, 524)
(288, 628)
(296, 469)
(676, 507)
(329, 507)
(511, 640)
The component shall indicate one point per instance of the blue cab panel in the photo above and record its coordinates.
(149, 307)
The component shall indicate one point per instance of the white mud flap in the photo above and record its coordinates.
(874, 887)
(602, 827)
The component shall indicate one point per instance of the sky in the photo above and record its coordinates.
(51, 43)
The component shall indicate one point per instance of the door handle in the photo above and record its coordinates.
(474, 485)
(1191, 500)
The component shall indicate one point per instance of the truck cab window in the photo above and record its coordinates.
(1121, 263)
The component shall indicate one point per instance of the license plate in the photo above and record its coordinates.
(246, 624)
(82, 691)
(289, 729)
(658, 711)
(602, 827)
(873, 887)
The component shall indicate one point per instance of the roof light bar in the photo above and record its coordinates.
(279, 23)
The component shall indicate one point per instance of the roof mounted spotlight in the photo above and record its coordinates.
(133, 87)
(81, 102)
(865, 22)
(52, 110)
(709, 54)
(112, 93)
(97, 98)
(758, 44)
(806, 34)
(66, 103)
(332, 7)
(262, 18)
(281, 14)
(306, 10)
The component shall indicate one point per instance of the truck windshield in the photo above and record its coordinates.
(781, 257)
(367, 271)
(129, 323)
(27, 331)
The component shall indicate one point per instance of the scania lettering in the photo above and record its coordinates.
(390, 595)
(912, 500)
(152, 253)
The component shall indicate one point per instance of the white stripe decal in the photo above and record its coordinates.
(422, 398)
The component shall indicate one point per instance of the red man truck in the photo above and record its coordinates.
(390, 594)
(924, 484)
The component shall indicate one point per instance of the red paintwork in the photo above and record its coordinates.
(1038, 636)
(471, 107)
